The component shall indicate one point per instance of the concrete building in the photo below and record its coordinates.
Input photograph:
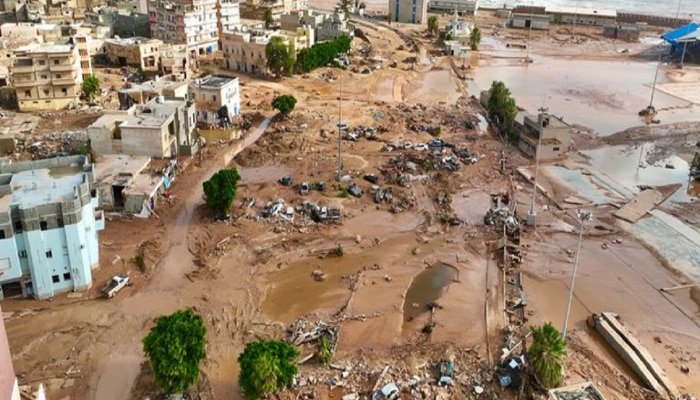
(581, 16)
(128, 184)
(218, 99)
(48, 227)
(244, 51)
(47, 76)
(85, 52)
(529, 21)
(138, 52)
(175, 60)
(43, 33)
(333, 27)
(161, 128)
(462, 7)
(122, 23)
(255, 9)
(409, 11)
(171, 86)
(190, 22)
(556, 135)
(228, 13)
(628, 33)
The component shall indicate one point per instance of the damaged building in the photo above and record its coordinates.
(545, 135)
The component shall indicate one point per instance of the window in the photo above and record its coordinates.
(27, 93)
(66, 276)
(58, 76)
(555, 149)
(64, 91)
(56, 279)
(23, 254)
(2, 234)
(42, 62)
(43, 225)
(44, 76)
(49, 253)
(82, 52)
(56, 62)
(213, 97)
(46, 92)
(18, 226)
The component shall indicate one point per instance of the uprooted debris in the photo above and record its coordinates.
(502, 214)
(302, 331)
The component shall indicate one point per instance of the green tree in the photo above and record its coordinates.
(268, 18)
(390, 17)
(90, 86)
(175, 347)
(284, 104)
(278, 56)
(502, 108)
(266, 367)
(475, 38)
(547, 354)
(433, 25)
(321, 54)
(220, 190)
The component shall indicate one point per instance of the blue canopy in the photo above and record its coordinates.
(673, 36)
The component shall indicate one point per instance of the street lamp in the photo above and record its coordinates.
(342, 61)
(583, 216)
(532, 215)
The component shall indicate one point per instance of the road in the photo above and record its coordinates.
(162, 295)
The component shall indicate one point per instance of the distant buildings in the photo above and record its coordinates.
(194, 23)
(218, 99)
(409, 11)
(536, 17)
(48, 227)
(138, 52)
(462, 7)
(228, 13)
(244, 51)
(47, 76)
(161, 128)
(122, 23)
(175, 60)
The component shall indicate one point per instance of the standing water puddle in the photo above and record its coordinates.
(427, 287)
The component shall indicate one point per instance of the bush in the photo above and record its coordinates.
(343, 192)
(139, 260)
(321, 54)
(325, 354)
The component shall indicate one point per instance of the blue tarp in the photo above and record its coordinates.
(672, 36)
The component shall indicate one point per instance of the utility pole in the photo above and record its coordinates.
(340, 115)
(532, 215)
(678, 10)
(583, 216)
(653, 88)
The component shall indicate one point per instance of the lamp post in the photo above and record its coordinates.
(583, 216)
(340, 113)
(532, 215)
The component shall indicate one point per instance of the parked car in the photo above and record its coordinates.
(421, 147)
(355, 190)
(372, 178)
(285, 180)
(320, 186)
(408, 145)
(436, 143)
(304, 188)
(389, 392)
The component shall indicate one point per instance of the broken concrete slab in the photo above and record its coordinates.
(639, 206)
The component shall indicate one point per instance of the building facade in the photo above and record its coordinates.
(218, 99)
(84, 45)
(174, 60)
(462, 7)
(228, 13)
(333, 27)
(138, 52)
(190, 22)
(48, 227)
(245, 51)
(161, 128)
(47, 77)
(409, 11)
(555, 133)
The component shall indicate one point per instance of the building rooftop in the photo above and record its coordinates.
(133, 41)
(119, 169)
(213, 82)
(46, 48)
(34, 187)
(146, 120)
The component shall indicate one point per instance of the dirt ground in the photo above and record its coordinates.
(251, 276)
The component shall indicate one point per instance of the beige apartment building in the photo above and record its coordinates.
(245, 51)
(47, 76)
(175, 60)
(84, 44)
(190, 22)
(138, 52)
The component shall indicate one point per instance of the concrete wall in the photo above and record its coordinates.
(146, 141)
(527, 21)
(656, 20)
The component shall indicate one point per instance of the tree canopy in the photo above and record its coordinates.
(433, 25)
(175, 347)
(279, 57)
(284, 104)
(220, 190)
(344, 6)
(502, 108)
(475, 38)
(90, 86)
(268, 18)
(266, 367)
(547, 354)
(321, 54)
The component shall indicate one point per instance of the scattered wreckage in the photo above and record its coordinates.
(502, 214)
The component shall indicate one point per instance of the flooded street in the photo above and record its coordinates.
(426, 288)
(603, 95)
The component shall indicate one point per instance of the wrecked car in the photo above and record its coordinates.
(304, 188)
(285, 180)
(355, 190)
(389, 392)
(372, 178)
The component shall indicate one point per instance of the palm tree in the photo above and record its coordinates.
(547, 355)
(433, 25)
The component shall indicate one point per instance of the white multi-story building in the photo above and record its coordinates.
(462, 7)
(190, 22)
(84, 44)
(48, 227)
(409, 11)
(229, 16)
(217, 98)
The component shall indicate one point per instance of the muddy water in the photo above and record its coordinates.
(620, 163)
(603, 95)
(436, 86)
(428, 286)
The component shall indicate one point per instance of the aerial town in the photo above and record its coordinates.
(321, 199)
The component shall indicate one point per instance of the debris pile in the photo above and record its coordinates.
(501, 214)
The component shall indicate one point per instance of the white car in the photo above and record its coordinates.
(421, 147)
(408, 145)
(389, 392)
(117, 283)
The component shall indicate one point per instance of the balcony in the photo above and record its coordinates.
(23, 83)
(61, 67)
(65, 80)
(22, 67)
